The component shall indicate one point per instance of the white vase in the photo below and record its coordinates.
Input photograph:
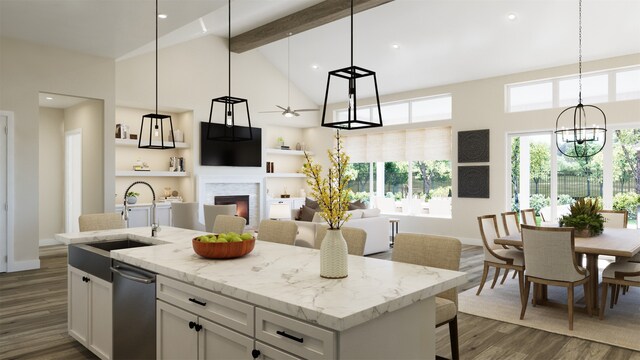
(333, 256)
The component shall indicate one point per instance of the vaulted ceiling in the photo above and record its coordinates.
(411, 44)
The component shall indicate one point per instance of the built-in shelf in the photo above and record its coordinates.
(287, 152)
(285, 175)
(130, 142)
(152, 173)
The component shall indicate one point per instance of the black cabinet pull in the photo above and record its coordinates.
(191, 324)
(255, 353)
(85, 279)
(197, 302)
(198, 327)
(298, 339)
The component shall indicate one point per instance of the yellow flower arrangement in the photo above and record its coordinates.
(331, 192)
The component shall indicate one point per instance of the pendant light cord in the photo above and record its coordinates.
(352, 34)
(580, 51)
(288, 70)
(229, 46)
(156, 58)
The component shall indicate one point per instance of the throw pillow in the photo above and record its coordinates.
(311, 203)
(306, 213)
(355, 214)
(357, 205)
(367, 213)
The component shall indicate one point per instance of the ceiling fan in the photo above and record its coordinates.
(288, 112)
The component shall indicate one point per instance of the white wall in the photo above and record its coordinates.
(194, 72)
(51, 163)
(87, 116)
(480, 104)
(25, 70)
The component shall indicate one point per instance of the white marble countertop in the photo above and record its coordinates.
(284, 278)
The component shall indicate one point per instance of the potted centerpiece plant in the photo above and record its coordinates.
(132, 197)
(332, 195)
(584, 218)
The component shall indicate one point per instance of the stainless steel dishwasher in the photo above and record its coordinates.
(134, 312)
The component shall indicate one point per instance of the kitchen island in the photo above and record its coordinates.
(383, 309)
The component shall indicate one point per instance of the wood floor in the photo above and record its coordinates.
(33, 321)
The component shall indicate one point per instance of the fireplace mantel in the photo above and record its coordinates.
(209, 186)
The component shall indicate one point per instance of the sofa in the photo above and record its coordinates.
(376, 226)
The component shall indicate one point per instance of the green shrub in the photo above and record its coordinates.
(538, 201)
(565, 199)
(361, 196)
(627, 201)
(442, 191)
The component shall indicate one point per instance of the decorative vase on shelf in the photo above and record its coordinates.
(131, 200)
(333, 255)
(298, 146)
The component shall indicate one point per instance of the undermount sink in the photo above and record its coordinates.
(117, 244)
(94, 257)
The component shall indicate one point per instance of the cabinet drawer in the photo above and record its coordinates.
(302, 339)
(270, 353)
(221, 309)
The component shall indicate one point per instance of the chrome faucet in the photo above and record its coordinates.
(155, 227)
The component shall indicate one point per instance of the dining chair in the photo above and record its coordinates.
(528, 216)
(101, 221)
(615, 219)
(185, 215)
(510, 222)
(278, 231)
(211, 211)
(498, 256)
(355, 238)
(549, 255)
(615, 275)
(440, 252)
(229, 223)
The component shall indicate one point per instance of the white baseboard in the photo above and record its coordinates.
(49, 242)
(23, 265)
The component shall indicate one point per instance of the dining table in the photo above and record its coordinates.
(621, 243)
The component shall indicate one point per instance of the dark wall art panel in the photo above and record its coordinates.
(473, 182)
(473, 146)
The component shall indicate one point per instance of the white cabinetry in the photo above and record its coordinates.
(190, 322)
(294, 203)
(140, 214)
(89, 311)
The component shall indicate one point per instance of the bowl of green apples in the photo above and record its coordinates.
(224, 245)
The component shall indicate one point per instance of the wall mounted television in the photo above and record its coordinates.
(226, 153)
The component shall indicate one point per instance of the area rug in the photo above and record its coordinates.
(620, 327)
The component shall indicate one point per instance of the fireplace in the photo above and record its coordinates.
(241, 201)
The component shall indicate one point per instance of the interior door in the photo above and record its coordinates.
(3, 192)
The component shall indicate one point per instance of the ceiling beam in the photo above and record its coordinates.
(303, 20)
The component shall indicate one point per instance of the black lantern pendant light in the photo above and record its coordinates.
(581, 140)
(230, 132)
(156, 121)
(352, 74)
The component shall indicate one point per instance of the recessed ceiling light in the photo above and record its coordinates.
(315, 67)
(162, 16)
(395, 46)
(49, 98)
(512, 16)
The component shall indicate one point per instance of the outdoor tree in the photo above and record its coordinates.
(626, 156)
(428, 171)
(539, 163)
(396, 174)
(359, 174)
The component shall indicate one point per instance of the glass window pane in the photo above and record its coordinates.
(360, 181)
(579, 177)
(431, 187)
(396, 179)
(625, 179)
(430, 109)
(595, 89)
(530, 97)
(393, 114)
(628, 84)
